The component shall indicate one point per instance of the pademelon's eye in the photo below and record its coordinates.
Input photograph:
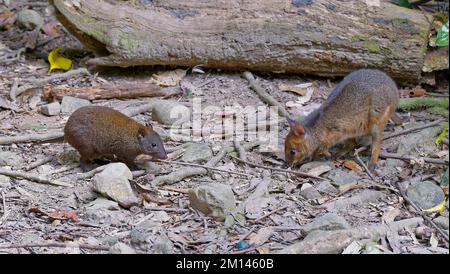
(292, 152)
(153, 145)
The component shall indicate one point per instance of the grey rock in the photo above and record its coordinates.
(110, 240)
(327, 188)
(365, 196)
(309, 192)
(328, 221)
(51, 109)
(162, 245)
(197, 152)
(106, 216)
(341, 177)
(102, 203)
(121, 248)
(216, 200)
(8, 158)
(5, 181)
(421, 142)
(70, 104)
(113, 183)
(425, 194)
(170, 113)
(29, 19)
(144, 232)
(441, 221)
(316, 168)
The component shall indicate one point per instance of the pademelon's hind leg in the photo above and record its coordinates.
(378, 125)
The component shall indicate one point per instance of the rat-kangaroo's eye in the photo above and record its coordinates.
(153, 145)
(292, 152)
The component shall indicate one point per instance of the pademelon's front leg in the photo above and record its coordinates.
(325, 151)
(349, 145)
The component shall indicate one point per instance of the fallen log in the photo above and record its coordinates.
(326, 38)
(109, 91)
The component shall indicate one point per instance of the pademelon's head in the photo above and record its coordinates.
(297, 146)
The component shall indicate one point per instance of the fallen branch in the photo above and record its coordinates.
(38, 163)
(62, 245)
(24, 138)
(41, 82)
(128, 91)
(421, 213)
(34, 178)
(180, 174)
(204, 166)
(401, 132)
(298, 173)
(177, 190)
(410, 158)
(168, 209)
(266, 97)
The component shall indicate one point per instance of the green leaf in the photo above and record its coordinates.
(402, 3)
(441, 135)
(442, 36)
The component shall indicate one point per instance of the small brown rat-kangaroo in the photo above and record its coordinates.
(98, 132)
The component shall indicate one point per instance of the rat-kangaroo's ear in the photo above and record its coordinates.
(296, 127)
(141, 134)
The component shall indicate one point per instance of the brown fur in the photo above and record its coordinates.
(360, 105)
(98, 132)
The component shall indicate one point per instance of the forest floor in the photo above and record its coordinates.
(274, 210)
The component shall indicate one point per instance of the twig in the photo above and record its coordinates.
(90, 173)
(63, 245)
(11, 56)
(298, 173)
(268, 214)
(178, 190)
(34, 178)
(419, 211)
(38, 163)
(133, 111)
(364, 165)
(409, 158)
(266, 97)
(169, 209)
(40, 82)
(401, 132)
(180, 174)
(240, 150)
(30, 138)
(204, 166)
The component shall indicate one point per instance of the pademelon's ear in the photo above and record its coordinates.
(296, 127)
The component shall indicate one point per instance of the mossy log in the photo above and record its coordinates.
(318, 37)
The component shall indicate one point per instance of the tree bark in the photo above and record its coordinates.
(326, 38)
